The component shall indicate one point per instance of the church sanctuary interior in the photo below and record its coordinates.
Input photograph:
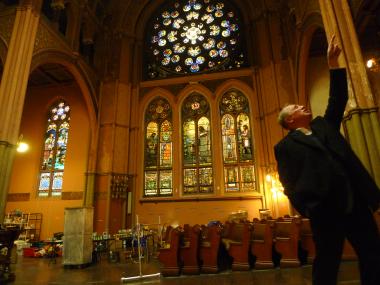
(137, 136)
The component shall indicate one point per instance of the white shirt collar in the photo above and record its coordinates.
(305, 131)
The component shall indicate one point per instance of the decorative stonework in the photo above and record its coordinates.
(6, 26)
(17, 197)
(3, 52)
(77, 195)
(46, 39)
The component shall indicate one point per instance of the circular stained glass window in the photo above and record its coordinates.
(194, 36)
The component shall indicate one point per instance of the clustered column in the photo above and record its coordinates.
(361, 121)
(13, 87)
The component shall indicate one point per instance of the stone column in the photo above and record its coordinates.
(13, 87)
(114, 136)
(361, 121)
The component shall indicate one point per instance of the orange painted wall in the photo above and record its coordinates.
(25, 174)
(197, 212)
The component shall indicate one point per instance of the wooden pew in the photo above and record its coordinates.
(286, 236)
(209, 248)
(189, 250)
(348, 251)
(237, 242)
(306, 239)
(377, 219)
(261, 244)
(169, 253)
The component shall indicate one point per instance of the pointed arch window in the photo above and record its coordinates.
(197, 156)
(55, 148)
(238, 154)
(158, 175)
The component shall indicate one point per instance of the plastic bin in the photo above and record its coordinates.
(30, 251)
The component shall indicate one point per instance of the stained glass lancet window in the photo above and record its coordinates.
(158, 149)
(238, 159)
(194, 36)
(54, 154)
(197, 156)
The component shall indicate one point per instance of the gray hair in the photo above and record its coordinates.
(284, 113)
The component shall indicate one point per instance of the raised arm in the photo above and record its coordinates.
(338, 95)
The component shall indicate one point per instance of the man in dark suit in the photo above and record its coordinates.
(326, 182)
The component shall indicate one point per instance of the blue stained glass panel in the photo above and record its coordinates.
(44, 181)
(57, 181)
(54, 150)
(192, 27)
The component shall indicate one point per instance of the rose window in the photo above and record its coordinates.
(194, 36)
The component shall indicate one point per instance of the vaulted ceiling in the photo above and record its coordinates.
(123, 16)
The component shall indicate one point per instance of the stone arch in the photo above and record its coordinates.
(85, 84)
(312, 23)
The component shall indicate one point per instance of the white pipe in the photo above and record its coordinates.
(132, 278)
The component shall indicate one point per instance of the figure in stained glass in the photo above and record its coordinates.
(204, 144)
(158, 149)
(151, 143)
(197, 156)
(50, 141)
(54, 154)
(244, 134)
(237, 142)
(245, 140)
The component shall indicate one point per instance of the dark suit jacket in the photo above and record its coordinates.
(307, 165)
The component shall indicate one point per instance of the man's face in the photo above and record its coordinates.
(298, 116)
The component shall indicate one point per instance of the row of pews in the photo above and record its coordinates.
(260, 244)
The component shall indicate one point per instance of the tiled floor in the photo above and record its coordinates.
(38, 271)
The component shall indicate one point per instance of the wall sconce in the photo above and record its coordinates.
(373, 64)
(274, 182)
(22, 146)
(278, 197)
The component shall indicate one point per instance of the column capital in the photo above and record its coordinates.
(33, 4)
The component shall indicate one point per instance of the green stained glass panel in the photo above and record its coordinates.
(231, 179)
(244, 137)
(61, 146)
(205, 180)
(166, 179)
(189, 143)
(150, 183)
(190, 181)
(229, 139)
(247, 178)
(204, 141)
